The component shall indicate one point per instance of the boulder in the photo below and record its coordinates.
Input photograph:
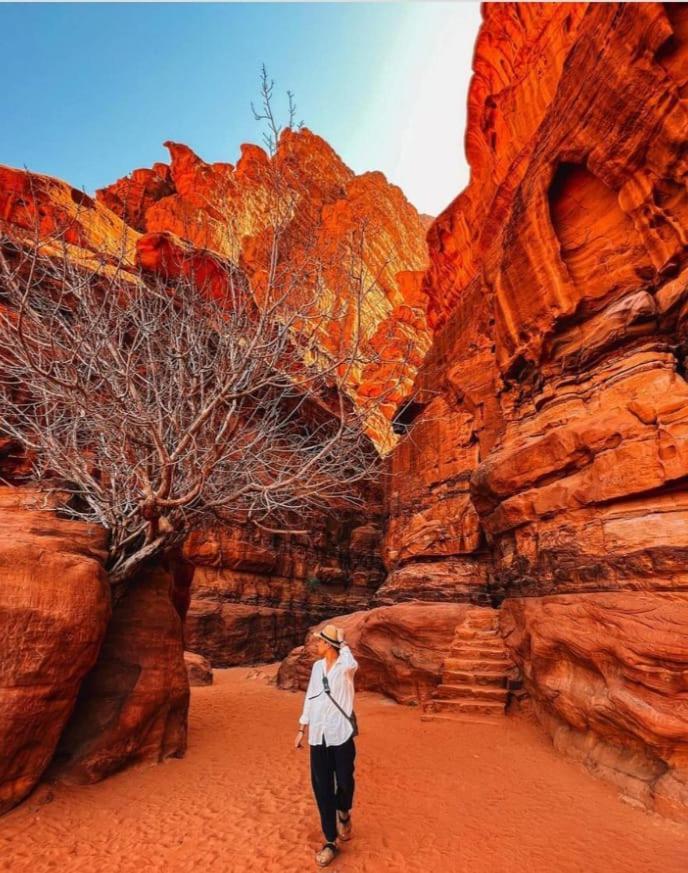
(54, 609)
(133, 705)
(198, 669)
(400, 649)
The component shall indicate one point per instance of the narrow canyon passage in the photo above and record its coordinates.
(431, 797)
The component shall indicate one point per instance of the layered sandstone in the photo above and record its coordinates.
(132, 707)
(255, 594)
(607, 673)
(547, 461)
(40, 206)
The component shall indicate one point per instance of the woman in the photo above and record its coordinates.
(330, 736)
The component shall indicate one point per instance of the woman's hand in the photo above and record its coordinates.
(299, 740)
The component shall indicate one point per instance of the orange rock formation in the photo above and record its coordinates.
(547, 459)
(225, 209)
(54, 609)
(116, 695)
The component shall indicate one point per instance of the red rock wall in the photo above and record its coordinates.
(254, 594)
(548, 466)
(133, 706)
(54, 609)
(243, 608)
(226, 208)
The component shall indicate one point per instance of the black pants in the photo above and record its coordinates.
(332, 777)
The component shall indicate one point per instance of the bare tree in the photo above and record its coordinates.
(153, 404)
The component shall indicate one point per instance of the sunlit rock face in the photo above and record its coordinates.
(36, 206)
(547, 458)
(253, 594)
(227, 208)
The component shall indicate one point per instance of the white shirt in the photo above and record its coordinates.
(323, 718)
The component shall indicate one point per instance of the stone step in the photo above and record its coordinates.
(475, 655)
(485, 643)
(462, 707)
(471, 664)
(471, 693)
(461, 719)
(467, 633)
(486, 623)
(477, 648)
(482, 614)
(478, 677)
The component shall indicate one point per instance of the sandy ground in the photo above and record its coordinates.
(431, 797)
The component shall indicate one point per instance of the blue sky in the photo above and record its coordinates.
(90, 91)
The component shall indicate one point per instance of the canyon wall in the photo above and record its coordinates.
(255, 594)
(360, 230)
(105, 685)
(545, 461)
(88, 684)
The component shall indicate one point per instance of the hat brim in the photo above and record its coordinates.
(321, 636)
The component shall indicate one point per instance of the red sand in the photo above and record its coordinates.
(431, 797)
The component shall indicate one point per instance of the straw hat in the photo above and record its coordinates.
(331, 634)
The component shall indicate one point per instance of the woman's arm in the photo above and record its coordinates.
(305, 713)
(310, 691)
(347, 659)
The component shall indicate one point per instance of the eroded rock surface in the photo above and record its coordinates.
(226, 209)
(548, 448)
(190, 216)
(133, 705)
(400, 649)
(254, 594)
(54, 608)
(609, 675)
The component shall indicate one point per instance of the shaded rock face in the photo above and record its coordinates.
(54, 609)
(609, 676)
(254, 594)
(400, 649)
(547, 456)
(133, 705)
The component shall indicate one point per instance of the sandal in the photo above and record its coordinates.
(343, 825)
(326, 855)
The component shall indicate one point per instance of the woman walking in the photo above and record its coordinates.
(328, 716)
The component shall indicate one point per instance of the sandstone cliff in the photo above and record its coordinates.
(546, 461)
(110, 687)
(226, 209)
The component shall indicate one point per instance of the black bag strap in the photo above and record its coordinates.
(326, 688)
